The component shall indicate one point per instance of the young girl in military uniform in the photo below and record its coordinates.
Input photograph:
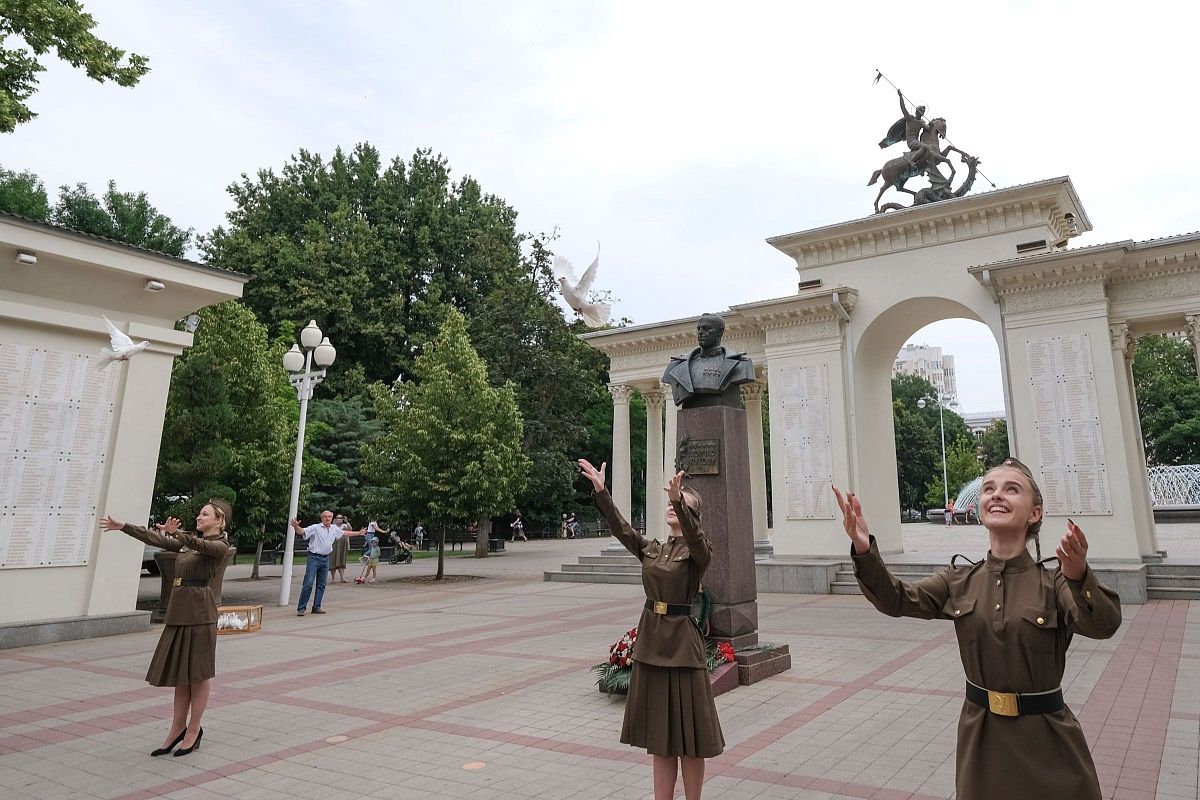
(670, 709)
(1014, 620)
(186, 656)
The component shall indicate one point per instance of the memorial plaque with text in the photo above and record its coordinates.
(56, 416)
(803, 394)
(1066, 417)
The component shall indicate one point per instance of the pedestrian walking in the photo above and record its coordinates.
(670, 709)
(518, 529)
(949, 513)
(1014, 620)
(419, 535)
(320, 537)
(186, 655)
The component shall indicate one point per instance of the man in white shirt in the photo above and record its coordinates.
(320, 537)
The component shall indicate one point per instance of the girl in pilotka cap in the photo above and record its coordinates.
(186, 656)
(1014, 620)
(670, 709)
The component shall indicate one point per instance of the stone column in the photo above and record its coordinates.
(671, 439)
(752, 396)
(656, 498)
(1124, 345)
(619, 478)
(1193, 331)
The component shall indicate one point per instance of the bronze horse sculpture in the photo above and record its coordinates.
(940, 190)
(897, 171)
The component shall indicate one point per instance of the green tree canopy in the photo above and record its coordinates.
(23, 193)
(1168, 399)
(918, 455)
(124, 216)
(908, 389)
(451, 447)
(339, 431)
(229, 429)
(61, 25)
(962, 467)
(375, 253)
(994, 444)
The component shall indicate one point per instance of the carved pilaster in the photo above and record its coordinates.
(1122, 339)
(654, 399)
(752, 392)
(1193, 331)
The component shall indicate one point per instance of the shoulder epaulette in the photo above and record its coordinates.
(957, 556)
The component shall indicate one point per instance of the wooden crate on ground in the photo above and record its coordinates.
(239, 619)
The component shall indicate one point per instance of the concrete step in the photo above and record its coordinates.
(844, 587)
(1166, 570)
(1172, 593)
(616, 558)
(1173, 581)
(592, 577)
(634, 568)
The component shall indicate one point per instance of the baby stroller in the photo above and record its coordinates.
(402, 552)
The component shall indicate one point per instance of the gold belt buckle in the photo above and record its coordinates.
(1003, 703)
(660, 607)
(179, 581)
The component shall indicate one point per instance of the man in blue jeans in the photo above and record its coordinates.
(320, 537)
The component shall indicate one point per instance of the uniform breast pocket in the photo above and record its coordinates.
(1039, 628)
(966, 621)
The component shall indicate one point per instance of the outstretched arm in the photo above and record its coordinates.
(634, 542)
(924, 599)
(158, 537)
(903, 107)
(699, 549)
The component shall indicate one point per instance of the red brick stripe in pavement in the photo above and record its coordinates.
(1127, 714)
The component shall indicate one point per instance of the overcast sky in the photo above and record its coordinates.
(680, 135)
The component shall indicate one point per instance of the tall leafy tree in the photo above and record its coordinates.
(962, 467)
(339, 431)
(124, 216)
(994, 444)
(23, 193)
(908, 389)
(229, 427)
(522, 336)
(1168, 399)
(62, 26)
(375, 252)
(451, 447)
(918, 455)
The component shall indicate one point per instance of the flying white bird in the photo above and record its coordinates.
(575, 291)
(123, 347)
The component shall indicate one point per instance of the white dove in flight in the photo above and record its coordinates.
(122, 346)
(575, 292)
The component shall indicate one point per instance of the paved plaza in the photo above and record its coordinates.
(480, 689)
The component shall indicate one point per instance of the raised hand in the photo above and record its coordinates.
(1072, 553)
(674, 488)
(170, 526)
(853, 521)
(596, 476)
(110, 524)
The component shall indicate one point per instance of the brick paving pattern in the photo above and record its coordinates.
(479, 689)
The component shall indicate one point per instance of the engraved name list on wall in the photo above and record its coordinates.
(807, 444)
(56, 415)
(1067, 421)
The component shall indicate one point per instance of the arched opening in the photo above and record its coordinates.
(889, 491)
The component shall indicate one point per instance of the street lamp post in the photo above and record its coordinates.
(942, 401)
(304, 379)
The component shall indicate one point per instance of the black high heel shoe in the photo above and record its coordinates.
(162, 751)
(183, 751)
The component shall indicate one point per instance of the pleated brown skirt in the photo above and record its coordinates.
(670, 711)
(185, 654)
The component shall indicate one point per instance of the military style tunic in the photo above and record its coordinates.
(187, 649)
(1014, 620)
(670, 709)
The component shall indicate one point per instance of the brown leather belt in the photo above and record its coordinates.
(669, 609)
(1012, 704)
(190, 582)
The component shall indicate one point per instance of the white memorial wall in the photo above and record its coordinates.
(56, 416)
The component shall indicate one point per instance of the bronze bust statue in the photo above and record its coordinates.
(708, 376)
